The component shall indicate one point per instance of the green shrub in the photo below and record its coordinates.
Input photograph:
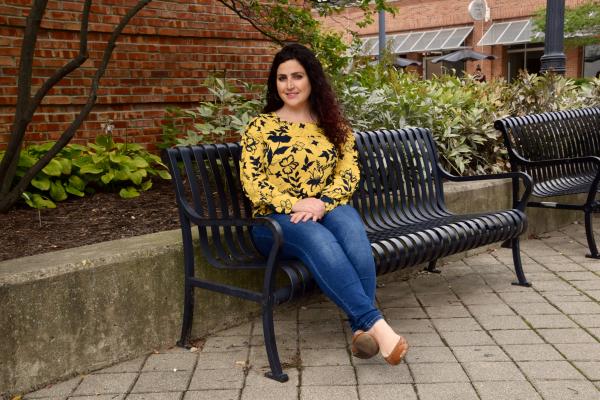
(227, 113)
(79, 170)
(533, 94)
(459, 111)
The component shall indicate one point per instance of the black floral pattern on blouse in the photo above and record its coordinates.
(283, 162)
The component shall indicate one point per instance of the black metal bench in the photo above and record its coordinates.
(400, 198)
(561, 152)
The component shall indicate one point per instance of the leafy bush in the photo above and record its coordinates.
(77, 170)
(228, 112)
(532, 94)
(459, 111)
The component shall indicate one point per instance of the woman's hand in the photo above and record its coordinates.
(310, 205)
(302, 216)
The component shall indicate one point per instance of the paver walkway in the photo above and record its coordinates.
(472, 336)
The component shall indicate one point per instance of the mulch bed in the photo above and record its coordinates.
(87, 220)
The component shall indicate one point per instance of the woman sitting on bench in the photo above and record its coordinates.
(299, 167)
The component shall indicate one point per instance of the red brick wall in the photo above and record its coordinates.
(161, 59)
(418, 15)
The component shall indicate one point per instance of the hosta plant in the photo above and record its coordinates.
(79, 170)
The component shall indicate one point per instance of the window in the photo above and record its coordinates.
(591, 61)
(441, 68)
(522, 57)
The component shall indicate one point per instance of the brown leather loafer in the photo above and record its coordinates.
(398, 353)
(364, 345)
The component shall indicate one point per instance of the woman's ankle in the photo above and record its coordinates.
(385, 337)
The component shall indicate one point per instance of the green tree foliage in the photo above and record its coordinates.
(582, 24)
(284, 20)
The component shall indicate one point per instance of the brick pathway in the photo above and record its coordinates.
(472, 336)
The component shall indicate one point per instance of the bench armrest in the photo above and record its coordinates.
(557, 161)
(569, 161)
(515, 176)
(273, 226)
(272, 259)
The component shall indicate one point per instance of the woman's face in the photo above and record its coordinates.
(293, 85)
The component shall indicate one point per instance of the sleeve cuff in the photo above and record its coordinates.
(326, 199)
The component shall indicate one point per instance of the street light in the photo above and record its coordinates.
(554, 58)
(381, 35)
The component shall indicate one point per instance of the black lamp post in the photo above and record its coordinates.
(554, 58)
(382, 41)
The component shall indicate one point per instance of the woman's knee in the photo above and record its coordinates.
(346, 225)
(346, 212)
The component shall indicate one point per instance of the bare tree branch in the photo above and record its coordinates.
(245, 13)
(9, 163)
(68, 68)
(7, 201)
(340, 19)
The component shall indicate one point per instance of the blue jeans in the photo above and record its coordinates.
(338, 254)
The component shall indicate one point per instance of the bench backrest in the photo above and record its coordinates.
(551, 136)
(400, 184)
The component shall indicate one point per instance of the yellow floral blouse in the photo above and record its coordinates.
(283, 162)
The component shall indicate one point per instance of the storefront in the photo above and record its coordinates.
(429, 29)
(424, 46)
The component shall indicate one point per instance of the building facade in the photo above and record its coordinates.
(423, 30)
(162, 59)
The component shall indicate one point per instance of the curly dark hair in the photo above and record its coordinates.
(323, 103)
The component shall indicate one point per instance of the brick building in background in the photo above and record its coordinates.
(423, 29)
(161, 59)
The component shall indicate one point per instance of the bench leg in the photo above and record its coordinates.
(432, 269)
(589, 234)
(276, 372)
(188, 316)
(516, 251)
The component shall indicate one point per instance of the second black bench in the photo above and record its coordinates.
(561, 152)
(400, 198)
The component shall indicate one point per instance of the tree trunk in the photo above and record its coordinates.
(8, 164)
